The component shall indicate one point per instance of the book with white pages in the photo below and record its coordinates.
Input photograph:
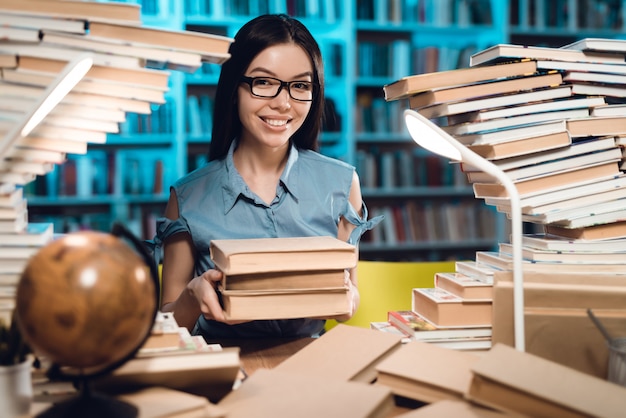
(527, 108)
(563, 194)
(552, 167)
(543, 241)
(597, 89)
(547, 256)
(596, 67)
(597, 44)
(571, 213)
(585, 77)
(618, 109)
(592, 219)
(508, 52)
(552, 211)
(576, 148)
(514, 121)
(446, 109)
(509, 135)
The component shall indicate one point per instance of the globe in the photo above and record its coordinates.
(86, 301)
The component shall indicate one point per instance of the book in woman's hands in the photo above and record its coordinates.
(261, 255)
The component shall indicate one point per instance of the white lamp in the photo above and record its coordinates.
(73, 72)
(431, 137)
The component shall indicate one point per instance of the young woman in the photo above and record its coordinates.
(264, 177)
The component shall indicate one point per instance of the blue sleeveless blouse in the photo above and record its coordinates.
(215, 203)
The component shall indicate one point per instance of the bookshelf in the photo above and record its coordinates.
(366, 44)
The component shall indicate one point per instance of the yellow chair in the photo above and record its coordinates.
(387, 285)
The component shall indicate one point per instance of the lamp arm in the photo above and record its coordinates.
(516, 238)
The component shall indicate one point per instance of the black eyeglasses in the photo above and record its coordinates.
(270, 87)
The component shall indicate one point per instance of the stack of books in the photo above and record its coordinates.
(131, 68)
(278, 278)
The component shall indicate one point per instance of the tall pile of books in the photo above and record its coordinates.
(280, 278)
(554, 120)
(130, 74)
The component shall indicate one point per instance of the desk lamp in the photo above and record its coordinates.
(431, 137)
(73, 72)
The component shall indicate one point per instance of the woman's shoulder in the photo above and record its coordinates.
(317, 160)
(207, 172)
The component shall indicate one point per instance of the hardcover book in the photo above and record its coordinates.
(464, 286)
(442, 308)
(261, 255)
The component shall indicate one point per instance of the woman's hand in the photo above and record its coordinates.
(204, 289)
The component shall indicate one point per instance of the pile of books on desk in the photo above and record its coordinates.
(278, 278)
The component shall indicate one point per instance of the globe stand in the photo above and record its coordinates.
(89, 404)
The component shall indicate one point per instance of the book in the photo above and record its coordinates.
(510, 52)
(163, 402)
(597, 126)
(453, 408)
(211, 374)
(574, 208)
(512, 134)
(593, 67)
(213, 48)
(548, 168)
(471, 269)
(355, 353)
(596, 232)
(443, 308)
(382, 326)
(492, 88)
(514, 121)
(157, 79)
(8, 60)
(465, 344)
(556, 197)
(446, 374)
(154, 56)
(275, 393)
(596, 89)
(285, 280)
(517, 382)
(593, 218)
(574, 149)
(413, 84)
(543, 241)
(523, 147)
(597, 44)
(549, 183)
(504, 262)
(609, 110)
(546, 256)
(463, 286)
(528, 108)
(575, 77)
(43, 22)
(495, 102)
(283, 304)
(261, 255)
(85, 10)
(417, 327)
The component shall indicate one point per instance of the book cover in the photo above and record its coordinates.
(277, 393)
(492, 88)
(550, 183)
(210, 374)
(512, 134)
(410, 85)
(285, 280)
(445, 309)
(597, 126)
(463, 286)
(523, 147)
(495, 102)
(251, 305)
(595, 232)
(419, 328)
(261, 255)
(85, 10)
(446, 374)
(508, 52)
(517, 382)
(355, 353)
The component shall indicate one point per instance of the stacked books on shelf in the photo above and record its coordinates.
(295, 277)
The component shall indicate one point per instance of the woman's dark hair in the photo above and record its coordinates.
(253, 37)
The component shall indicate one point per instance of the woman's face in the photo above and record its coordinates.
(272, 121)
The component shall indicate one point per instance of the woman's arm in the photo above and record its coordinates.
(345, 228)
(183, 294)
